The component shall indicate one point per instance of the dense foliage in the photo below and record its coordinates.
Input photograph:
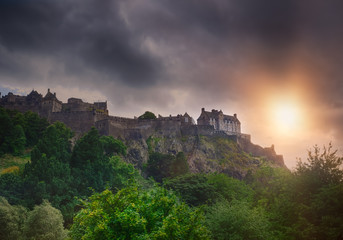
(134, 213)
(161, 165)
(58, 173)
(18, 131)
(44, 222)
(117, 203)
(147, 115)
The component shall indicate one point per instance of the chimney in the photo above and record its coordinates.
(235, 115)
(48, 89)
(203, 110)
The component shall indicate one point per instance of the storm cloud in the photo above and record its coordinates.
(176, 56)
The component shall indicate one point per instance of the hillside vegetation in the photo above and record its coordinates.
(89, 192)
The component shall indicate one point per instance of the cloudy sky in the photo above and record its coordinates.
(277, 64)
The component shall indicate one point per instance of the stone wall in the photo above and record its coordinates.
(124, 127)
(256, 150)
(78, 121)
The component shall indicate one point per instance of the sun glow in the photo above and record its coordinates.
(286, 116)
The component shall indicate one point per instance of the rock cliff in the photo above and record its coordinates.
(205, 153)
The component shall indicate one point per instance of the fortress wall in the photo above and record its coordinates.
(128, 128)
(77, 121)
(206, 130)
(77, 106)
(121, 121)
(21, 106)
(189, 130)
(102, 126)
(256, 150)
(99, 116)
(116, 129)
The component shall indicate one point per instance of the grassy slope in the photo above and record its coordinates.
(10, 163)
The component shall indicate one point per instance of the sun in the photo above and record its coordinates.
(286, 116)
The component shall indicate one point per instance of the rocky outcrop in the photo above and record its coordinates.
(204, 153)
(215, 144)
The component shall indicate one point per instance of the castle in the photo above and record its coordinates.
(81, 116)
(228, 124)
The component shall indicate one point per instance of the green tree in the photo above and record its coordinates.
(318, 192)
(18, 140)
(134, 213)
(6, 126)
(199, 189)
(12, 136)
(91, 163)
(237, 220)
(194, 189)
(179, 166)
(147, 115)
(87, 150)
(121, 173)
(321, 168)
(48, 175)
(44, 222)
(274, 192)
(34, 126)
(12, 220)
(12, 188)
(54, 142)
(112, 146)
(229, 188)
(159, 165)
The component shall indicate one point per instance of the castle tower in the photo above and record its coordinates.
(50, 104)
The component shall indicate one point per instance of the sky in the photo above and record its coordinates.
(277, 64)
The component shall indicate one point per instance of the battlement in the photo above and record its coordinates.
(80, 116)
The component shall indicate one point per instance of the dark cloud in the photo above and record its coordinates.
(93, 33)
(167, 54)
(148, 43)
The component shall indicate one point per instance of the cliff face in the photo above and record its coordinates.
(204, 153)
(216, 144)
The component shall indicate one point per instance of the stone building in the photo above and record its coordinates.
(221, 122)
(76, 114)
(81, 116)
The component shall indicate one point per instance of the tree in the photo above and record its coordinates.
(18, 140)
(238, 221)
(45, 223)
(54, 142)
(6, 126)
(318, 191)
(92, 164)
(321, 168)
(12, 136)
(133, 213)
(147, 115)
(87, 150)
(12, 220)
(194, 189)
(112, 146)
(12, 188)
(34, 126)
(48, 175)
(229, 188)
(159, 165)
(179, 166)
